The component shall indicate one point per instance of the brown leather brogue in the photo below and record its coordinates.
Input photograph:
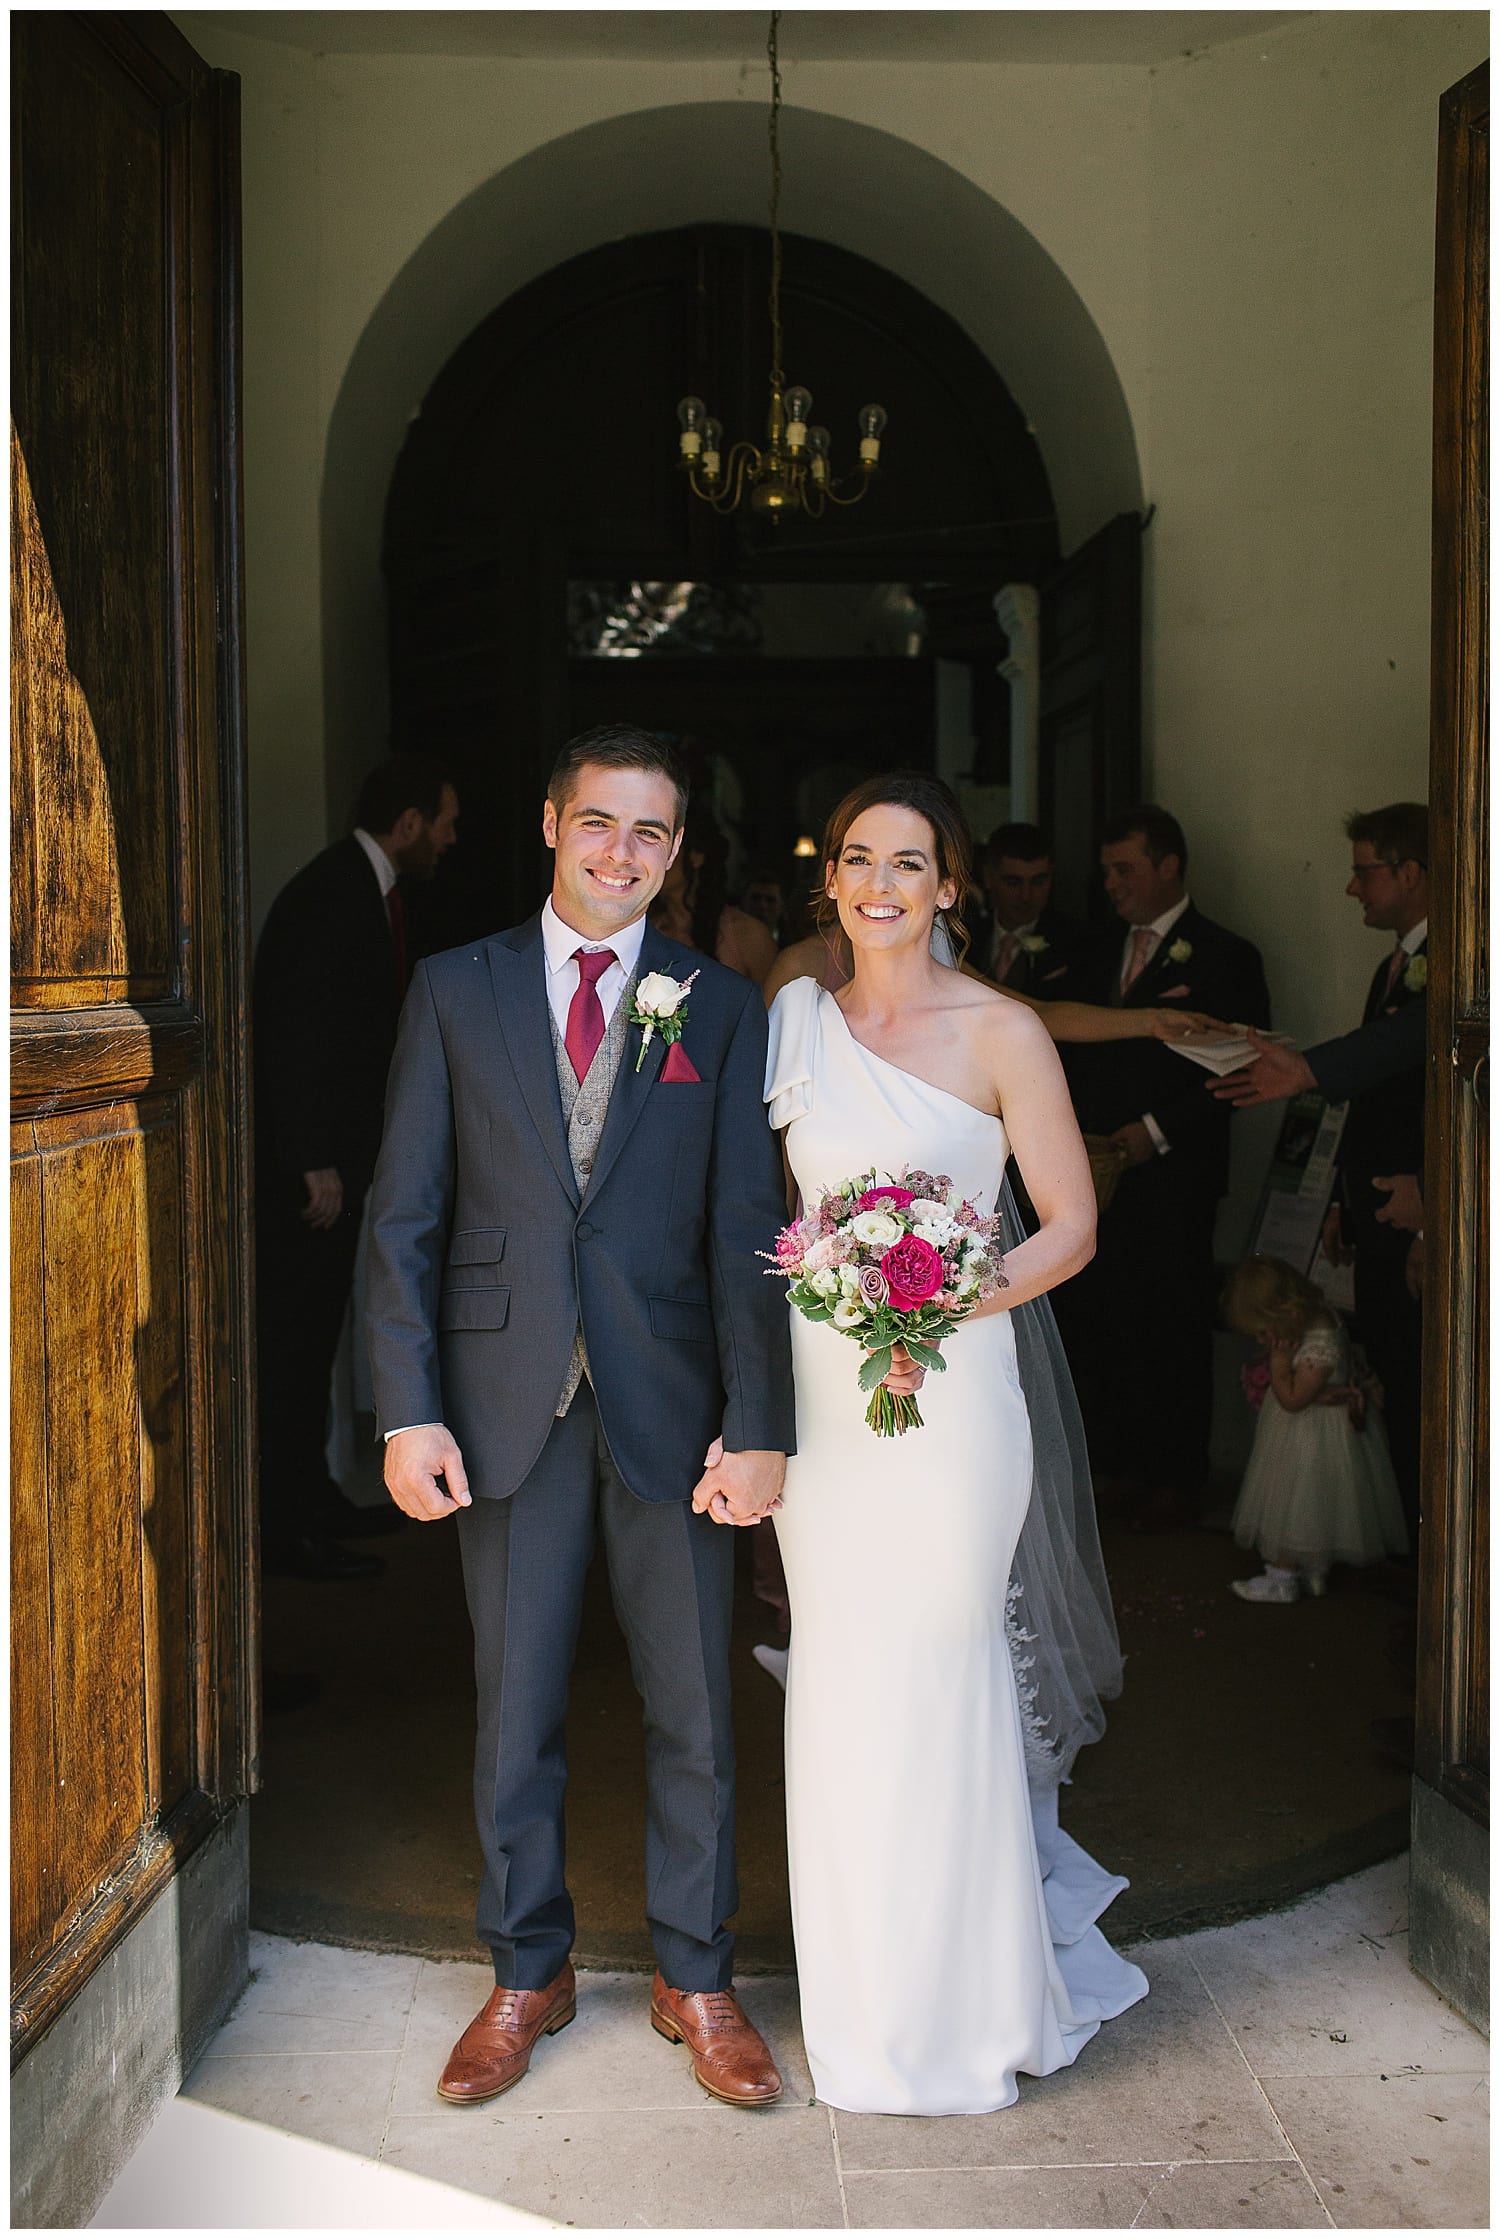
(494, 2052)
(729, 2054)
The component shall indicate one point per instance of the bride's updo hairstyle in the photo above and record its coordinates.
(932, 800)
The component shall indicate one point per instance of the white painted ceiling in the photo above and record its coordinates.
(1038, 35)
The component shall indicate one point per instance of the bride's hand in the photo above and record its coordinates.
(905, 1376)
(1179, 1026)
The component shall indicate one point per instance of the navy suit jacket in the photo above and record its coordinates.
(483, 1260)
(1115, 1082)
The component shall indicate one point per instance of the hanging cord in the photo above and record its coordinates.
(776, 373)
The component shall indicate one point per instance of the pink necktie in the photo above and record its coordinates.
(1005, 956)
(1140, 957)
(586, 1012)
(1398, 965)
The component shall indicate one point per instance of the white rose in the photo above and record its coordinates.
(936, 1233)
(878, 1230)
(819, 1255)
(826, 1282)
(848, 1314)
(927, 1209)
(658, 994)
(849, 1281)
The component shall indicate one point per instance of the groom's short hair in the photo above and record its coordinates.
(617, 746)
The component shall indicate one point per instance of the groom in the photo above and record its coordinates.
(566, 1312)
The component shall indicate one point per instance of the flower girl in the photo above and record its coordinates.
(1319, 1487)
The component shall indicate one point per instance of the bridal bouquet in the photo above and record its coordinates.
(891, 1263)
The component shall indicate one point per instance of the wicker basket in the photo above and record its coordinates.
(1107, 1162)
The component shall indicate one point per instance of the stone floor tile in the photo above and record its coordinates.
(713, 2169)
(316, 1998)
(1232, 2196)
(1105, 2199)
(1327, 1989)
(1163, 2083)
(1411, 2151)
(341, 2099)
(609, 2058)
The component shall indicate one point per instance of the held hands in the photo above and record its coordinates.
(325, 1197)
(415, 1461)
(739, 1488)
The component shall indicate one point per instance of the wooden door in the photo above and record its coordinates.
(132, 1613)
(1450, 1795)
(1090, 744)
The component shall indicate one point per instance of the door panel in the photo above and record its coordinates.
(132, 1553)
(1449, 1895)
(1090, 745)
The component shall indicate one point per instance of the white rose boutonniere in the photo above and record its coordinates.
(1180, 951)
(1034, 944)
(1415, 975)
(660, 1007)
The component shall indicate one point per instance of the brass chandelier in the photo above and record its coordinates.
(793, 469)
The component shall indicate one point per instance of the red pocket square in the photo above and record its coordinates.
(679, 1066)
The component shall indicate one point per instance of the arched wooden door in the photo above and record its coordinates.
(133, 1621)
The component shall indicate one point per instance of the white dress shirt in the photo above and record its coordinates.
(1413, 940)
(380, 862)
(1159, 928)
(561, 943)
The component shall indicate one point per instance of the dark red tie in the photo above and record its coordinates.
(396, 912)
(586, 1012)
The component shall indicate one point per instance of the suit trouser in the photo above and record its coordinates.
(303, 1278)
(1138, 1327)
(1389, 1323)
(671, 1575)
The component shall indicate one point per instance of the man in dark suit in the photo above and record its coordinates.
(1026, 943)
(1383, 1133)
(1138, 1322)
(571, 1335)
(330, 973)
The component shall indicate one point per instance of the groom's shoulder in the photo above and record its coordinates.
(451, 968)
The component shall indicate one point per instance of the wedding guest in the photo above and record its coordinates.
(693, 906)
(1027, 946)
(1138, 1321)
(765, 897)
(1380, 1071)
(330, 973)
(1319, 1488)
(1383, 1133)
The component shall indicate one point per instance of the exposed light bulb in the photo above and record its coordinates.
(691, 414)
(798, 405)
(871, 428)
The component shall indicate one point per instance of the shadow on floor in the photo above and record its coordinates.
(1238, 1769)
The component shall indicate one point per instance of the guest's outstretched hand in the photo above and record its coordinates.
(1275, 1073)
(1181, 1026)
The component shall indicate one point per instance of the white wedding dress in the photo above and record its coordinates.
(930, 1968)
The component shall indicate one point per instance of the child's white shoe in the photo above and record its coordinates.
(1270, 1586)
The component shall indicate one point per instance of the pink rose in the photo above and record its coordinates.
(873, 1287)
(914, 1272)
(890, 1195)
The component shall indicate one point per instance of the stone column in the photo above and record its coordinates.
(1018, 610)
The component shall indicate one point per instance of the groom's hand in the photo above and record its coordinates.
(414, 1462)
(739, 1488)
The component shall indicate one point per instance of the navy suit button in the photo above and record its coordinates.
(585, 1230)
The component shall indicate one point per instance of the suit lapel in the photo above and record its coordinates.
(632, 1089)
(1144, 988)
(518, 977)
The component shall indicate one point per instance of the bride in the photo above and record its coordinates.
(930, 1966)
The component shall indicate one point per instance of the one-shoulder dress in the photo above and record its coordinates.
(929, 1971)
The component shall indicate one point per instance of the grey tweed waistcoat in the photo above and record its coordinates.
(585, 1106)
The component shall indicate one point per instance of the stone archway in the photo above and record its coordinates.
(651, 170)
